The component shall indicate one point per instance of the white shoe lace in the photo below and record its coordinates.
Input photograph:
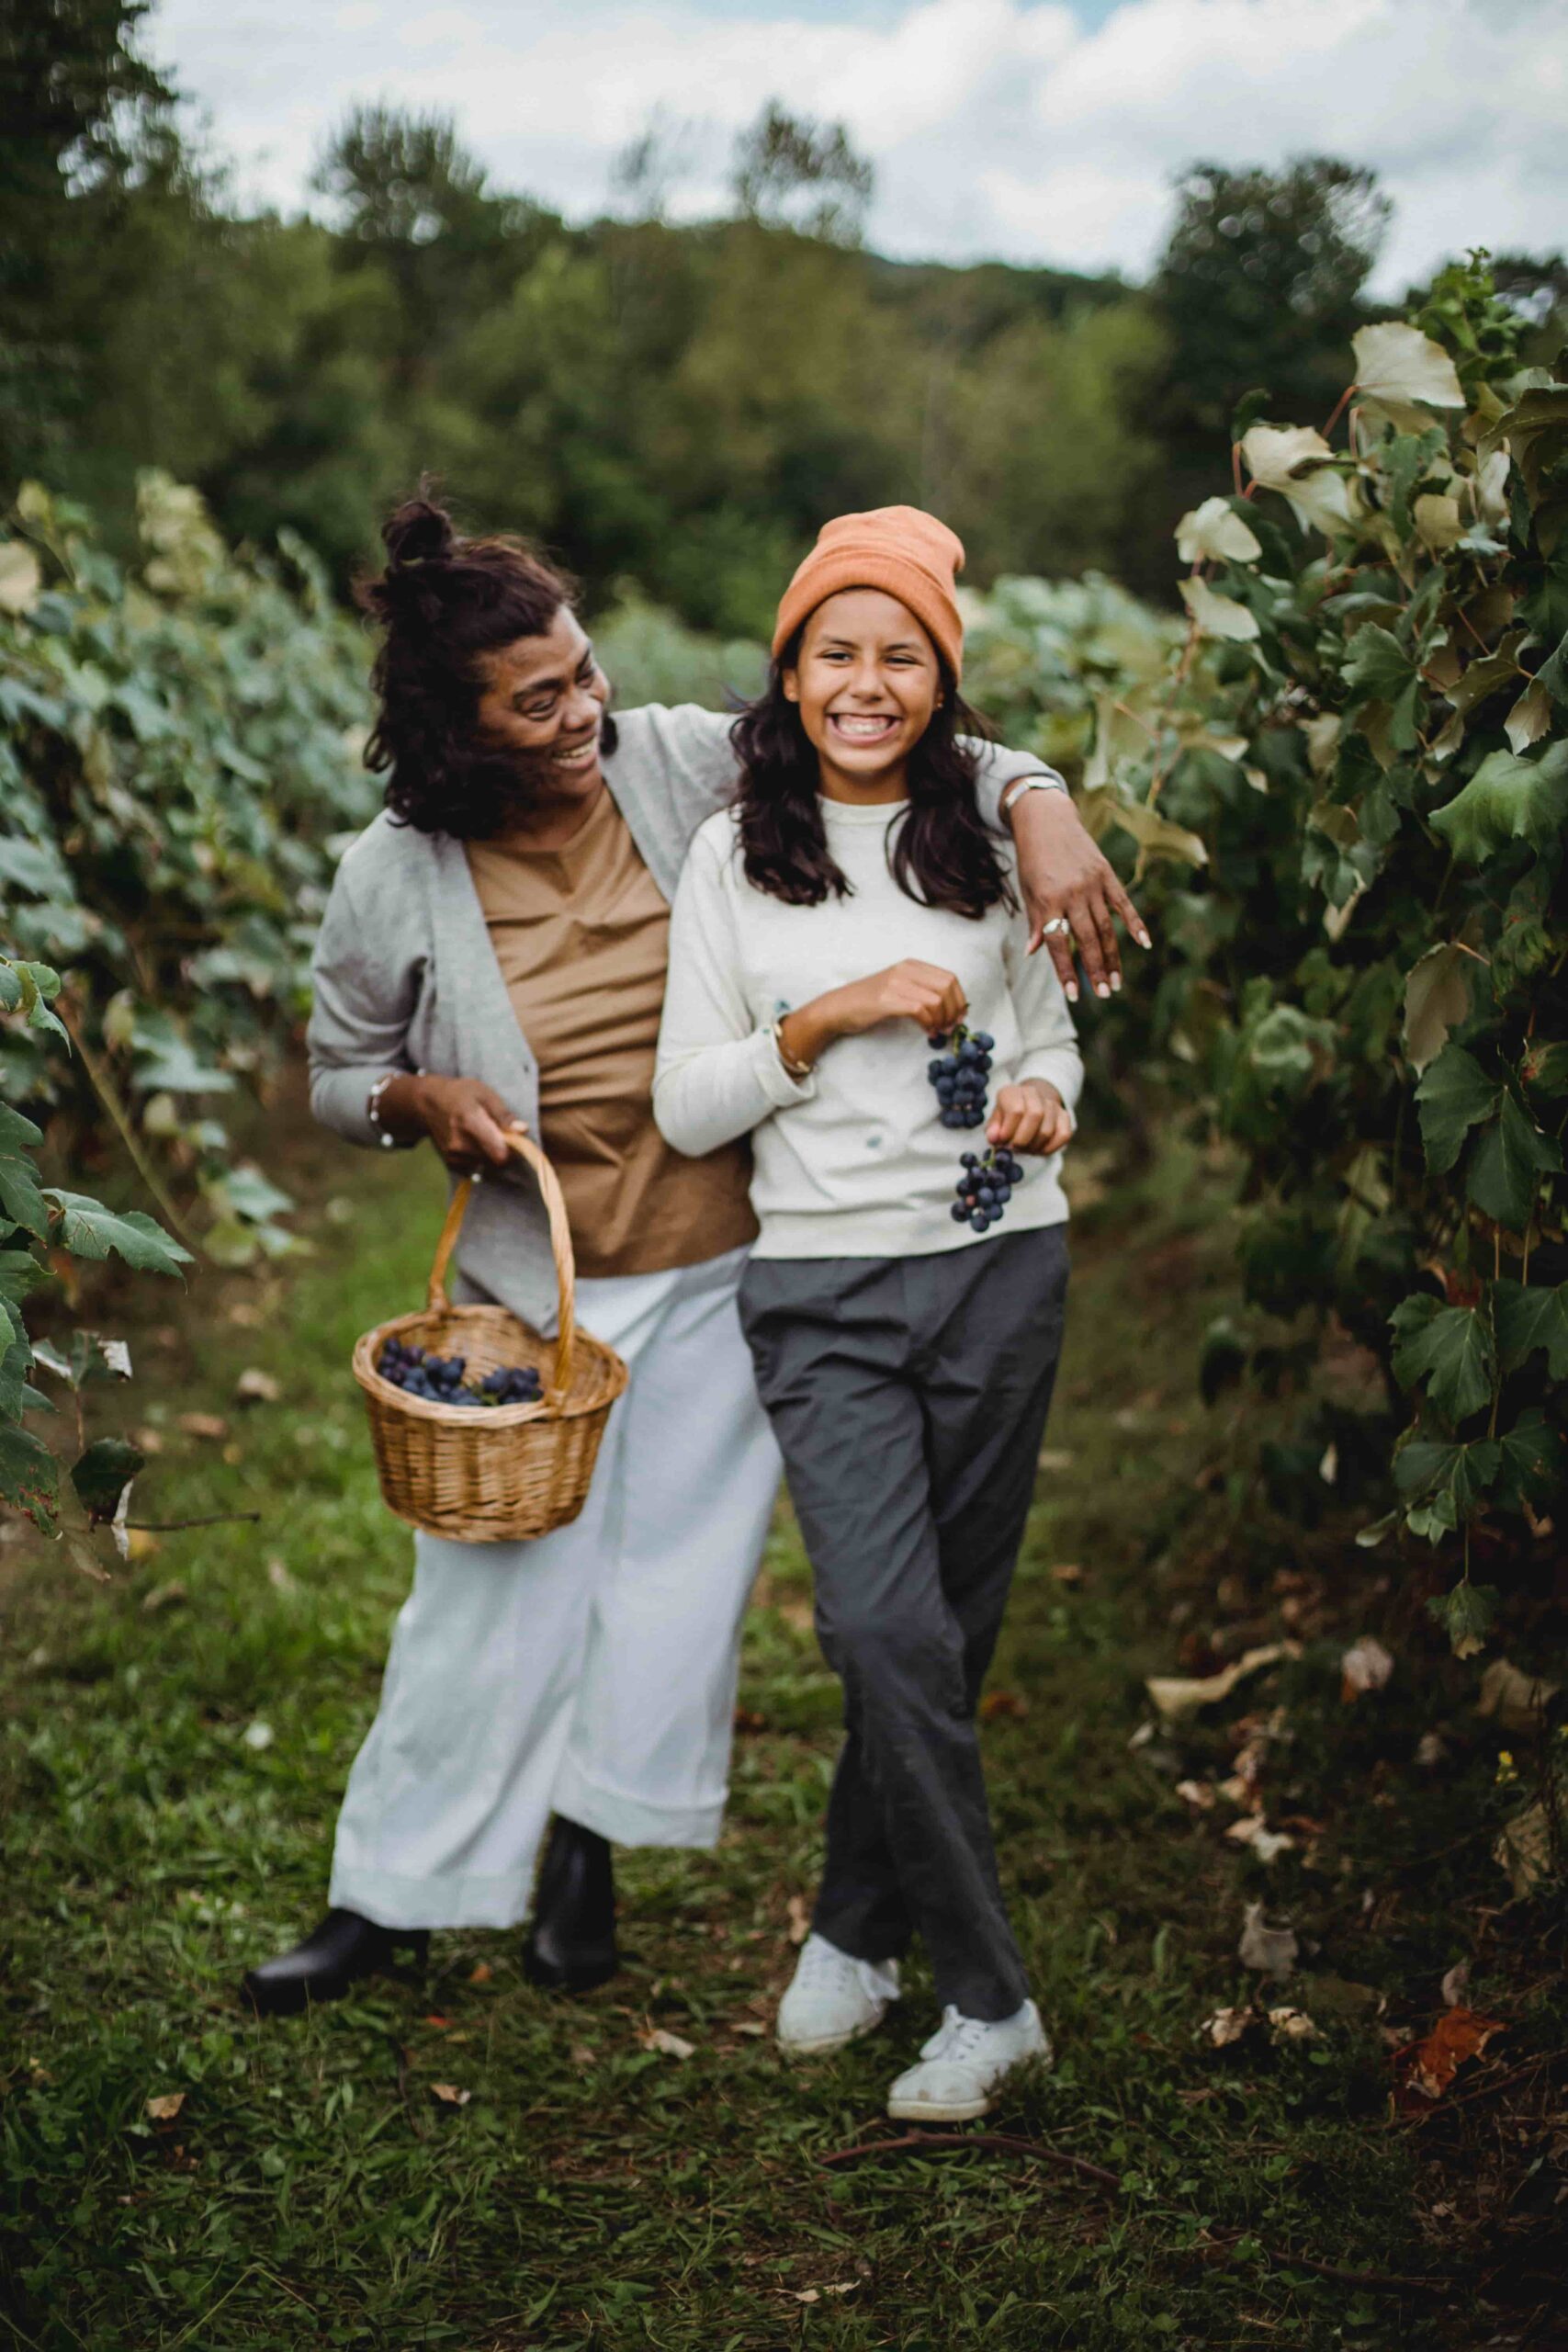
(957, 2038)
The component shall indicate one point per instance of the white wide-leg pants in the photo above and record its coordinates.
(591, 1673)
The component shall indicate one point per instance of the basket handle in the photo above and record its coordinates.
(561, 1247)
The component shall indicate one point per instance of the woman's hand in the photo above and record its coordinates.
(465, 1119)
(1066, 876)
(914, 991)
(1032, 1117)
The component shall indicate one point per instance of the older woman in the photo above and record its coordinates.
(495, 949)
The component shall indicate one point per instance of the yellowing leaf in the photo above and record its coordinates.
(1214, 532)
(450, 2094)
(1529, 718)
(1398, 365)
(1437, 1000)
(1217, 615)
(1296, 461)
(1517, 1700)
(1227, 2026)
(165, 2106)
(21, 580)
(1437, 521)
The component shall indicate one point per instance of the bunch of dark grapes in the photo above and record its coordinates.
(442, 1380)
(959, 1076)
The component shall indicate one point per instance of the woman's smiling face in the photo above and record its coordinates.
(866, 680)
(543, 700)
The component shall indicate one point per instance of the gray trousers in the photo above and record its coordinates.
(909, 1398)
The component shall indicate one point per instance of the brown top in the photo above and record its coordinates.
(581, 934)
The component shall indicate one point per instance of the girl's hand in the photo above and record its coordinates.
(914, 991)
(1031, 1117)
(465, 1119)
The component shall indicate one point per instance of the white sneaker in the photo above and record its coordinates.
(965, 2059)
(833, 1999)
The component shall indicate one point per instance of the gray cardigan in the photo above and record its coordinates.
(406, 977)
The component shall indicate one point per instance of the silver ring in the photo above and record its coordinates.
(1057, 923)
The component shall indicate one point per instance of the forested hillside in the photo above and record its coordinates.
(677, 406)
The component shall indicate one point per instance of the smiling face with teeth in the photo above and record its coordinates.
(543, 700)
(866, 681)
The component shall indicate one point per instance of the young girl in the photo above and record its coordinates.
(848, 981)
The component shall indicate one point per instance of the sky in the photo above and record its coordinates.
(1026, 131)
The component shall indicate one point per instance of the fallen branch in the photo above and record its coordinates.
(212, 1519)
(909, 2143)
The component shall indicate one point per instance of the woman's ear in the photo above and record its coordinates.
(790, 681)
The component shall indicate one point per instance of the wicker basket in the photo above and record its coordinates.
(513, 1470)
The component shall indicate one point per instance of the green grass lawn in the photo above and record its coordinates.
(177, 1742)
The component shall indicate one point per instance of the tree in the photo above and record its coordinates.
(81, 114)
(792, 172)
(1261, 283)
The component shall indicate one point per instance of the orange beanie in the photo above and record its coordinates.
(909, 553)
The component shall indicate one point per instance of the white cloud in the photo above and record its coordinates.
(1003, 127)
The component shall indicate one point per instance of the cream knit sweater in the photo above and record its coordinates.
(853, 1162)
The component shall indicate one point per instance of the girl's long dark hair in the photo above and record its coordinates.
(444, 600)
(943, 854)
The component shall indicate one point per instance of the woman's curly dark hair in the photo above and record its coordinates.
(444, 600)
(943, 854)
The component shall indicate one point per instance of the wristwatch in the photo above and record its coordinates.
(1046, 781)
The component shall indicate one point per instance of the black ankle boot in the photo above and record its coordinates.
(571, 1944)
(323, 1967)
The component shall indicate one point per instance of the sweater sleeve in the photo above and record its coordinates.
(1046, 1024)
(366, 990)
(997, 768)
(717, 1074)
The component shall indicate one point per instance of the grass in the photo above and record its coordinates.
(177, 1743)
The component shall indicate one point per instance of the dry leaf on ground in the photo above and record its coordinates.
(668, 2045)
(165, 2106)
(1177, 1695)
(799, 1919)
(1293, 2025)
(210, 1425)
(1200, 1794)
(1524, 1848)
(256, 1387)
(1068, 1572)
(1517, 1700)
(1272, 1951)
(481, 1972)
(1253, 1832)
(163, 1596)
(450, 2094)
(1227, 2026)
(1426, 2068)
(278, 1576)
(1366, 1666)
(748, 2026)
(1001, 1702)
(815, 2294)
(1454, 1984)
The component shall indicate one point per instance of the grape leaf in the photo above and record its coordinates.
(29, 1476)
(1377, 669)
(1528, 1320)
(1507, 799)
(1466, 1615)
(15, 1132)
(1429, 1465)
(1507, 1159)
(1533, 1457)
(21, 1202)
(1454, 1095)
(101, 1475)
(89, 1230)
(1450, 1348)
(1437, 999)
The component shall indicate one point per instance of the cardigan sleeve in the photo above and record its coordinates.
(367, 983)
